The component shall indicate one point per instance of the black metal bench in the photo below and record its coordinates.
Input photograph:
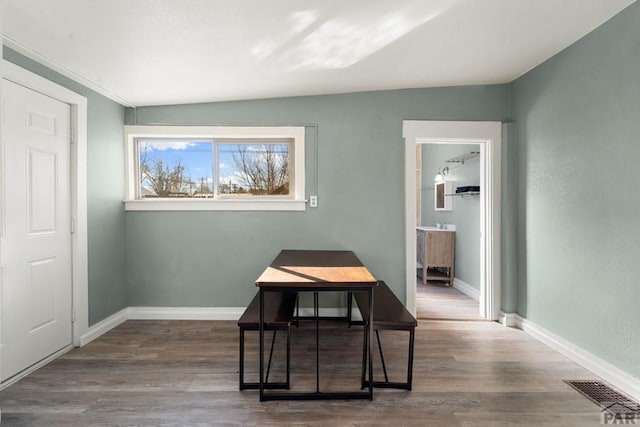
(278, 316)
(388, 313)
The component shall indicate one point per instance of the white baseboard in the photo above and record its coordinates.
(185, 313)
(189, 313)
(614, 376)
(323, 312)
(509, 320)
(103, 326)
(219, 313)
(331, 312)
(466, 289)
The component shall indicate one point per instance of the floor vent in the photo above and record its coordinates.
(607, 398)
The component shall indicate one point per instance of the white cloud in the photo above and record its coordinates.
(166, 145)
(234, 178)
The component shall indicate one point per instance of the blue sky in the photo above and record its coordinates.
(196, 157)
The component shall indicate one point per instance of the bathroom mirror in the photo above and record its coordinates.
(443, 202)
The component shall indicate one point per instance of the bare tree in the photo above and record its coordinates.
(264, 169)
(164, 180)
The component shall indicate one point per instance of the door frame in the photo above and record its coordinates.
(78, 166)
(489, 136)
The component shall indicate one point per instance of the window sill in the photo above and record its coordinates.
(214, 205)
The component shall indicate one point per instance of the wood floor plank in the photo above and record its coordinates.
(176, 373)
(436, 300)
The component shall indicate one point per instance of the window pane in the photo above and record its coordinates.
(258, 169)
(175, 168)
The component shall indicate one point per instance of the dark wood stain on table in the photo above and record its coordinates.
(175, 373)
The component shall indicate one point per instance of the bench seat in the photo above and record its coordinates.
(278, 316)
(278, 311)
(388, 313)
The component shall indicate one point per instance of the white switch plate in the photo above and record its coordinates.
(313, 201)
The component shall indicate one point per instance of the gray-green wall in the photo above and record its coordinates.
(570, 219)
(213, 258)
(105, 192)
(578, 126)
(465, 214)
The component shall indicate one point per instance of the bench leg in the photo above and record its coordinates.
(386, 383)
(384, 367)
(244, 385)
(267, 385)
(273, 343)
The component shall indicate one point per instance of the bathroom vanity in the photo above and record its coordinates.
(436, 251)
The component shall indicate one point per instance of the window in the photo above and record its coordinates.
(215, 168)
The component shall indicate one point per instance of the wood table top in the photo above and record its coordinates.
(316, 268)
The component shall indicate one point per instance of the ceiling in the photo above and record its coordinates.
(155, 52)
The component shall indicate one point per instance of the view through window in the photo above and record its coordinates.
(205, 168)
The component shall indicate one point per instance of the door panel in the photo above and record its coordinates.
(36, 243)
(41, 192)
(42, 293)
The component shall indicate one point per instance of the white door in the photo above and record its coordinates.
(36, 228)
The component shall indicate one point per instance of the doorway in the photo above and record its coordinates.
(448, 231)
(37, 228)
(56, 212)
(488, 136)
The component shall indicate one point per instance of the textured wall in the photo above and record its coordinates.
(509, 201)
(578, 127)
(574, 234)
(466, 210)
(213, 258)
(105, 188)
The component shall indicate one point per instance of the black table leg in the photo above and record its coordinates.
(261, 380)
(370, 340)
(410, 364)
(317, 394)
(349, 304)
(317, 316)
(364, 357)
(241, 370)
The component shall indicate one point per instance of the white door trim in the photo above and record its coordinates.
(79, 245)
(489, 136)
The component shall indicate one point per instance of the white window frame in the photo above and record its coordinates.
(295, 202)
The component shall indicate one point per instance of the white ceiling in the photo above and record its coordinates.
(153, 52)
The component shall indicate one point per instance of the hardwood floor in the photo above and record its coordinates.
(174, 373)
(435, 300)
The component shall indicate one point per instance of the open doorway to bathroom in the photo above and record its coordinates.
(448, 230)
(488, 135)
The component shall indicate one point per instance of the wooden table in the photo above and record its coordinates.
(315, 271)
